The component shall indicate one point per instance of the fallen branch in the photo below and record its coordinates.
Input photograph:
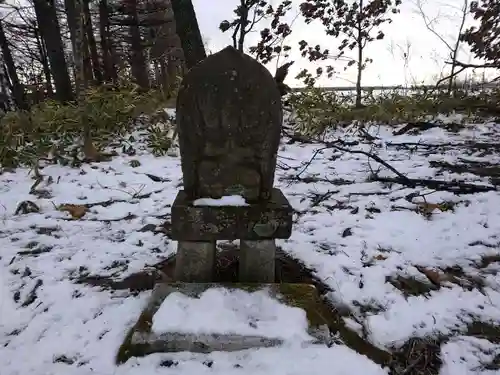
(421, 144)
(451, 186)
(378, 159)
(336, 145)
(317, 199)
(315, 179)
(420, 125)
(467, 144)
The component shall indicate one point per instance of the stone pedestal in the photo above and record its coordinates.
(256, 225)
(229, 118)
(195, 261)
(257, 261)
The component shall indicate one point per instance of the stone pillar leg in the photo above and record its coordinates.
(257, 261)
(195, 261)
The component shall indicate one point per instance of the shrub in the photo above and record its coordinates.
(51, 128)
(314, 111)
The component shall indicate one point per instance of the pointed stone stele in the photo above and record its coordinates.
(141, 340)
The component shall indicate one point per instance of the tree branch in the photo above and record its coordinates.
(474, 66)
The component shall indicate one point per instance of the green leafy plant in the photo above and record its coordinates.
(53, 130)
(159, 140)
(315, 111)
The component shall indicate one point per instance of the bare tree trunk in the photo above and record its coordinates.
(6, 91)
(45, 63)
(453, 49)
(166, 48)
(17, 88)
(164, 78)
(359, 27)
(454, 53)
(89, 31)
(82, 81)
(49, 28)
(80, 78)
(83, 46)
(110, 74)
(137, 61)
(157, 74)
(242, 25)
(69, 6)
(188, 32)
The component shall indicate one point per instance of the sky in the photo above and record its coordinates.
(406, 35)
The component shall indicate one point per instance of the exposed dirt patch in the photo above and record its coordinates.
(483, 330)
(287, 270)
(488, 260)
(418, 356)
(34, 249)
(487, 147)
(494, 364)
(437, 278)
(410, 286)
(481, 169)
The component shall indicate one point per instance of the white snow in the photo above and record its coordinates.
(228, 200)
(224, 311)
(355, 233)
(468, 355)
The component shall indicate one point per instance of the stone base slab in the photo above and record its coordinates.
(141, 341)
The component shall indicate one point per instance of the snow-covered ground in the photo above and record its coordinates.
(361, 237)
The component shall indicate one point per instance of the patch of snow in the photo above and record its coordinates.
(170, 112)
(469, 355)
(452, 118)
(443, 312)
(228, 200)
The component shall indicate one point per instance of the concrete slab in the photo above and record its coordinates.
(141, 340)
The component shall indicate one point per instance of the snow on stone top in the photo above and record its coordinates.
(228, 200)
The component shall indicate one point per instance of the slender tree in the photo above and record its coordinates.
(17, 88)
(137, 60)
(188, 32)
(109, 68)
(51, 35)
(89, 33)
(356, 22)
(69, 7)
(248, 13)
(454, 46)
(165, 50)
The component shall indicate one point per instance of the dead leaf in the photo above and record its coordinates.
(90, 151)
(76, 211)
(347, 232)
(380, 257)
(26, 207)
(92, 154)
(433, 275)
(428, 208)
